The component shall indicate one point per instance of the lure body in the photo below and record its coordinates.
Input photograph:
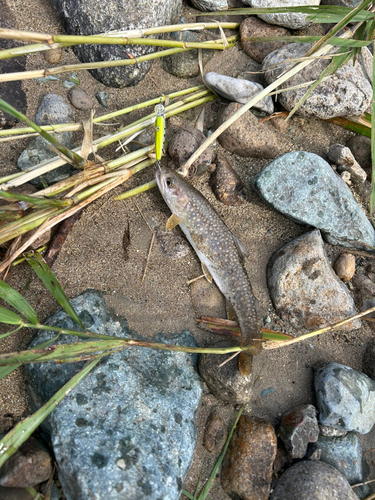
(159, 131)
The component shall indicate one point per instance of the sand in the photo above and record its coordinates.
(93, 256)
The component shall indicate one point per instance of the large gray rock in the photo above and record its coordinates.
(348, 92)
(303, 187)
(238, 90)
(210, 5)
(345, 398)
(127, 431)
(312, 480)
(304, 288)
(53, 109)
(289, 19)
(88, 18)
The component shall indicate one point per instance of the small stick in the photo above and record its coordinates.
(143, 217)
(148, 257)
(195, 279)
(229, 359)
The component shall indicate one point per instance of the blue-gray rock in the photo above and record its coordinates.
(127, 431)
(289, 19)
(304, 288)
(102, 98)
(53, 109)
(210, 5)
(303, 187)
(238, 90)
(87, 18)
(345, 398)
(298, 428)
(38, 151)
(312, 480)
(346, 93)
(346, 455)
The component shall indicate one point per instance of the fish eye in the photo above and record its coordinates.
(170, 182)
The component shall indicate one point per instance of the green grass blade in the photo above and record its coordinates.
(335, 41)
(137, 190)
(10, 318)
(23, 430)
(372, 195)
(78, 161)
(15, 299)
(33, 200)
(272, 335)
(51, 283)
(5, 370)
(350, 125)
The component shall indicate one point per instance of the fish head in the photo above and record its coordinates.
(174, 189)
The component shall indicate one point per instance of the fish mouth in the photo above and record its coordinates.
(159, 180)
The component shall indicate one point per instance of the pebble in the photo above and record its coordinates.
(226, 382)
(11, 92)
(185, 64)
(344, 159)
(255, 27)
(79, 99)
(226, 183)
(53, 56)
(360, 146)
(247, 466)
(346, 455)
(210, 5)
(366, 292)
(183, 144)
(215, 433)
(312, 479)
(345, 176)
(30, 465)
(290, 19)
(102, 98)
(267, 392)
(303, 187)
(346, 93)
(83, 18)
(206, 299)
(345, 398)
(247, 137)
(237, 90)
(303, 287)
(369, 360)
(331, 431)
(298, 428)
(53, 109)
(344, 266)
(139, 405)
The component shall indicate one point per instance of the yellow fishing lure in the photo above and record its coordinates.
(159, 130)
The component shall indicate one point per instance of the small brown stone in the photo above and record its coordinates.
(215, 433)
(247, 465)
(79, 99)
(344, 266)
(225, 183)
(255, 27)
(53, 56)
(247, 137)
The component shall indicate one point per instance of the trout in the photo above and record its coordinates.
(220, 253)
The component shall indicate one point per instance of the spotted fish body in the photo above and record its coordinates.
(218, 249)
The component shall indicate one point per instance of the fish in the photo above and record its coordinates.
(220, 252)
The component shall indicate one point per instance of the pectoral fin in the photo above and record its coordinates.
(173, 221)
(206, 273)
(241, 249)
(231, 313)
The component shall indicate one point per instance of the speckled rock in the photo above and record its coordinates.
(303, 187)
(210, 5)
(79, 99)
(185, 64)
(215, 433)
(290, 19)
(346, 93)
(84, 18)
(312, 479)
(331, 431)
(247, 467)
(53, 109)
(226, 382)
(255, 27)
(346, 455)
(10, 92)
(298, 428)
(305, 290)
(31, 464)
(226, 183)
(345, 398)
(237, 90)
(360, 146)
(344, 159)
(127, 431)
(246, 137)
(369, 360)
(344, 266)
